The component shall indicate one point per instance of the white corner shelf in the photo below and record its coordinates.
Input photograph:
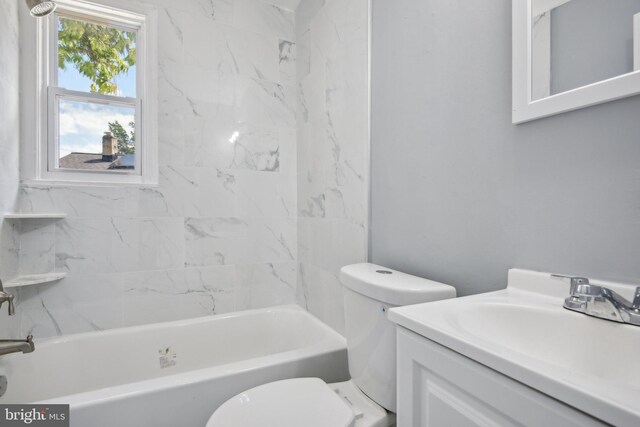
(46, 218)
(35, 216)
(34, 279)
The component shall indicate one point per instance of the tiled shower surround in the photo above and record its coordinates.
(9, 143)
(231, 226)
(333, 150)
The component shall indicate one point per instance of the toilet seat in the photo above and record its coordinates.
(308, 402)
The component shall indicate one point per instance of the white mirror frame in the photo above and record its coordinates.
(525, 108)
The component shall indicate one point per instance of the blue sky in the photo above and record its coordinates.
(82, 125)
(71, 79)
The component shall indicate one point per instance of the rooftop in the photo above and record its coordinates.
(92, 161)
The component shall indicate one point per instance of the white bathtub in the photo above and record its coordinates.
(173, 374)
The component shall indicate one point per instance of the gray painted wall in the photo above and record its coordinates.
(459, 194)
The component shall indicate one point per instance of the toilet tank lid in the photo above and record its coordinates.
(391, 286)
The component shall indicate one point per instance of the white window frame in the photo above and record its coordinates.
(40, 118)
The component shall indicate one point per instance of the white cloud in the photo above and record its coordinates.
(82, 125)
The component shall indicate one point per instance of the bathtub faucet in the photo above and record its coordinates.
(15, 346)
(4, 296)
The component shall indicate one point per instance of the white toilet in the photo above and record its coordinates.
(369, 398)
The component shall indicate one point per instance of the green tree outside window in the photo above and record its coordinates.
(101, 54)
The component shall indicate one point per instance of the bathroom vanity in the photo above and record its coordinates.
(516, 357)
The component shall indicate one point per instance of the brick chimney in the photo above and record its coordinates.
(109, 147)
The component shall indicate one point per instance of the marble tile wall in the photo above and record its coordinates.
(333, 147)
(265, 221)
(220, 231)
(9, 136)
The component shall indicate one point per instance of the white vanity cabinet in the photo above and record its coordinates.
(438, 387)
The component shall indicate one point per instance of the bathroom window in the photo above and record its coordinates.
(97, 115)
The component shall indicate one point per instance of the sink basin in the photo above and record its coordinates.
(580, 344)
(526, 334)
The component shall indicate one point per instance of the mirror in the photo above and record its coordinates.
(570, 54)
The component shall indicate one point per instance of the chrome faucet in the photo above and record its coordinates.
(601, 302)
(6, 297)
(13, 346)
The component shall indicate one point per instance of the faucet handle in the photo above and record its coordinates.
(574, 281)
(12, 308)
(8, 298)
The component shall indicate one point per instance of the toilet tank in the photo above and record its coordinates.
(369, 291)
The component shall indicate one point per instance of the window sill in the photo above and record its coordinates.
(52, 184)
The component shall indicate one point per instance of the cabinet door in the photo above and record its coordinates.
(438, 387)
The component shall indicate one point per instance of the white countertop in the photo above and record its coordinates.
(525, 333)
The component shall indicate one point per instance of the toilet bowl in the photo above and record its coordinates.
(369, 398)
